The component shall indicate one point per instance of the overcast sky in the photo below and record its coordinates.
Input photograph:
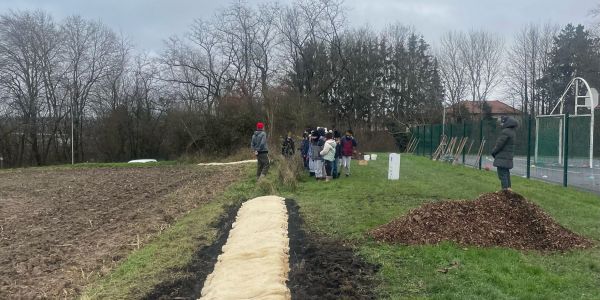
(148, 22)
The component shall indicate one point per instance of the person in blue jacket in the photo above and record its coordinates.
(338, 154)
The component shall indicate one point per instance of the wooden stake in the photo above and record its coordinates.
(471, 146)
(440, 149)
(460, 149)
(480, 152)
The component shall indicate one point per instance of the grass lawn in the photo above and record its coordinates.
(349, 207)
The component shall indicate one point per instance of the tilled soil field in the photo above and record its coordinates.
(60, 228)
(503, 219)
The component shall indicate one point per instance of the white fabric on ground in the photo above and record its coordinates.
(255, 260)
(229, 163)
(142, 161)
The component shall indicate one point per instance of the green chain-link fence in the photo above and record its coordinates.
(540, 155)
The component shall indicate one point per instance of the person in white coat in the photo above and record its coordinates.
(328, 154)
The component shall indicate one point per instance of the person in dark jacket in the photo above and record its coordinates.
(287, 147)
(504, 149)
(261, 151)
(304, 148)
(338, 154)
(319, 163)
(313, 154)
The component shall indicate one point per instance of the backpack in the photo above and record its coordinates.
(347, 147)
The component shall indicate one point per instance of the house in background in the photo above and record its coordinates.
(476, 110)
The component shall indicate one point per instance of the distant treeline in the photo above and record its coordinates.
(75, 83)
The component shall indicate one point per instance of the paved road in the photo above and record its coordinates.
(579, 175)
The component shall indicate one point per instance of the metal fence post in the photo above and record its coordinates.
(422, 134)
(418, 139)
(480, 140)
(424, 140)
(566, 151)
(464, 135)
(431, 139)
(529, 147)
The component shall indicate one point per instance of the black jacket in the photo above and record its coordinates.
(504, 149)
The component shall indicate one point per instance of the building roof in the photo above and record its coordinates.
(498, 107)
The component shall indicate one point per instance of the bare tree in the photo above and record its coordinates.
(482, 52)
(528, 59)
(305, 26)
(110, 91)
(238, 26)
(264, 53)
(91, 53)
(453, 69)
(28, 48)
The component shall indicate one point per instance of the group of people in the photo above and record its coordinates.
(325, 153)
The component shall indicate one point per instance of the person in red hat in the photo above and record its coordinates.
(259, 146)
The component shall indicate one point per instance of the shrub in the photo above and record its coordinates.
(289, 171)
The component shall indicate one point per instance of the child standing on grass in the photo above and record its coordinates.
(503, 151)
(348, 144)
(319, 163)
(338, 154)
(315, 163)
(328, 154)
(287, 147)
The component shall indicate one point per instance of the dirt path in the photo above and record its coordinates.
(59, 229)
(323, 268)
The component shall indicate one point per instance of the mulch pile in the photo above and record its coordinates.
(503, 219)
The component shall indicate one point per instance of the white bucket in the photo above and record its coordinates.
(367, 157)
(373, 156)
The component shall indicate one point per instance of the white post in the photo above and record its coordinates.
(560, 139)
(592, 134)
(394, 166)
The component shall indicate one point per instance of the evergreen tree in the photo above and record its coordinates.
(575, 54)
